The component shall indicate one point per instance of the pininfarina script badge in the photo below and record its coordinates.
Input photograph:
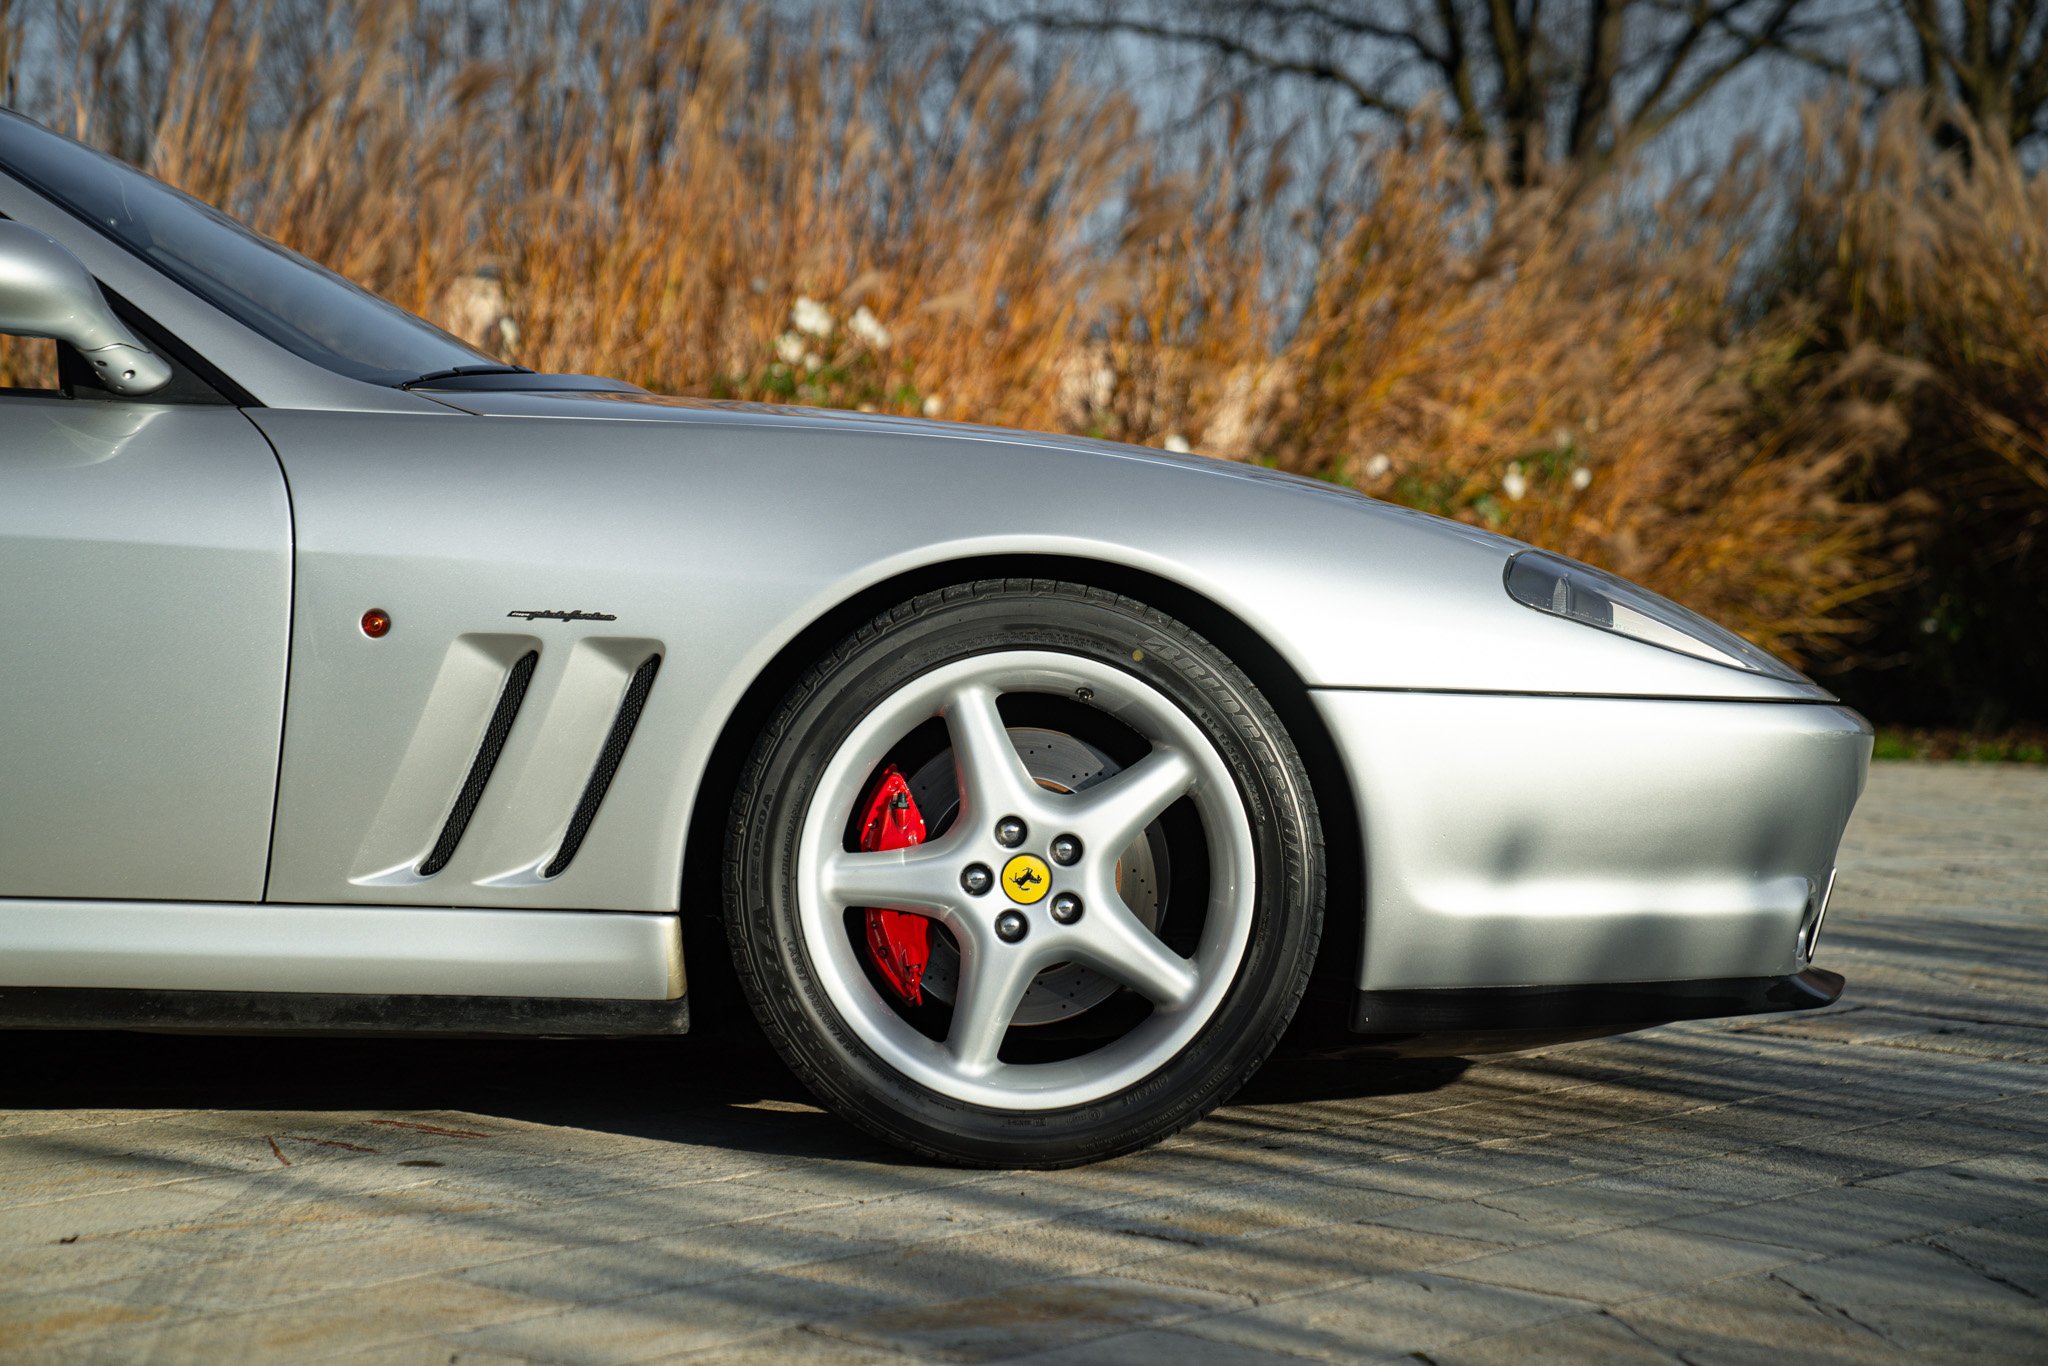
(552, 615)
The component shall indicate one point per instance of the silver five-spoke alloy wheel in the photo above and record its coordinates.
(1081, 917)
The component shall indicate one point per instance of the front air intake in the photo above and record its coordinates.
(608, 760)
(1816, 913)
(502, 716)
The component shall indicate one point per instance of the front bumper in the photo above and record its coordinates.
(1573, 842)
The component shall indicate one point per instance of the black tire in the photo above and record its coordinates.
(938, 628)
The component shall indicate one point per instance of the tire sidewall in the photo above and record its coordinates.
(784, 977)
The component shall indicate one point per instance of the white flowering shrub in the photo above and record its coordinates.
(825, 361)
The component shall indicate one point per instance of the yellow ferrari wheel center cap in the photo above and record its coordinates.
(1027, 879)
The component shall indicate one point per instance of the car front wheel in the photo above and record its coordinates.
(1024, 873)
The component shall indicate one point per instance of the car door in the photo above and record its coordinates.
(145, 563)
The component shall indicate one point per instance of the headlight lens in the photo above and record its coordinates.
(1581, 593)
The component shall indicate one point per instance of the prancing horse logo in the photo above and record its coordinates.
(1026, 878)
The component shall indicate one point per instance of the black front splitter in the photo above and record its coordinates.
(1455, 1020)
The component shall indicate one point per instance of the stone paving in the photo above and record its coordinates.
(1867, 1182)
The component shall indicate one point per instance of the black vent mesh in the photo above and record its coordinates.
(608, 760)
(481, 766)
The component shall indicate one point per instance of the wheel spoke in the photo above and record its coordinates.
(993, 980)
(1116, 812)
(1034, 908)
(920, 878)
(1112, 940)
(992, 776)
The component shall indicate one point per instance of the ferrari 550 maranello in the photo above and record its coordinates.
(353, 680)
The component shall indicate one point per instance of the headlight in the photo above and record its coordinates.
(1577, 592)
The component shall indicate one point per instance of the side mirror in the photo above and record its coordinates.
(46, 292)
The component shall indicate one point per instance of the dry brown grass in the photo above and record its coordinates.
(27, 363)
(1555, 366)
(1925, 276)
(1573, 379)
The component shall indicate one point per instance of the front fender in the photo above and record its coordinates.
(716, 538)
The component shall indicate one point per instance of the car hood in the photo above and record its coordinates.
(1355, 591)
(640, 406)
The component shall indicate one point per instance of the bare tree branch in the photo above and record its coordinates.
(1585, 82)
(1269, 62)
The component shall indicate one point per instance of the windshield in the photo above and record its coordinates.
(303, 307)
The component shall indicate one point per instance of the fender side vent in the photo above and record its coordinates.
(480, 767)
(608, 760)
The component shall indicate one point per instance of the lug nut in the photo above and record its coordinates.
(1066, 851)
(976, 879)
(1012, 926)
(1010, 832)
(1066, 908)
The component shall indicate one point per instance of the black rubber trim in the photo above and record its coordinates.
(1609, 1007)
(169, 345)
(267, 1012)
(608, 760)
(502, 717)
(527, 383)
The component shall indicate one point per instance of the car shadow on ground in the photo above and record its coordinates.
(725, 1089)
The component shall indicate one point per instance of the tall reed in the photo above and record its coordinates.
(693, 196)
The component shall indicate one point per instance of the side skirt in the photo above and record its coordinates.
(363, 951)
(298, 1012)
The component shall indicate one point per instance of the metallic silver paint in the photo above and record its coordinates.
(1515, 841)
(538, 779)
(46, 292)
(192, 946)
(660, 522)
(146, 553)
(1541, 802)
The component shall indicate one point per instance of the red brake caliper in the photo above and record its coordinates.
(899, 942)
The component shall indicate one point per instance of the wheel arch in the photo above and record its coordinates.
(702, 891)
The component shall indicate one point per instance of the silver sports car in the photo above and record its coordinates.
(353, 680)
